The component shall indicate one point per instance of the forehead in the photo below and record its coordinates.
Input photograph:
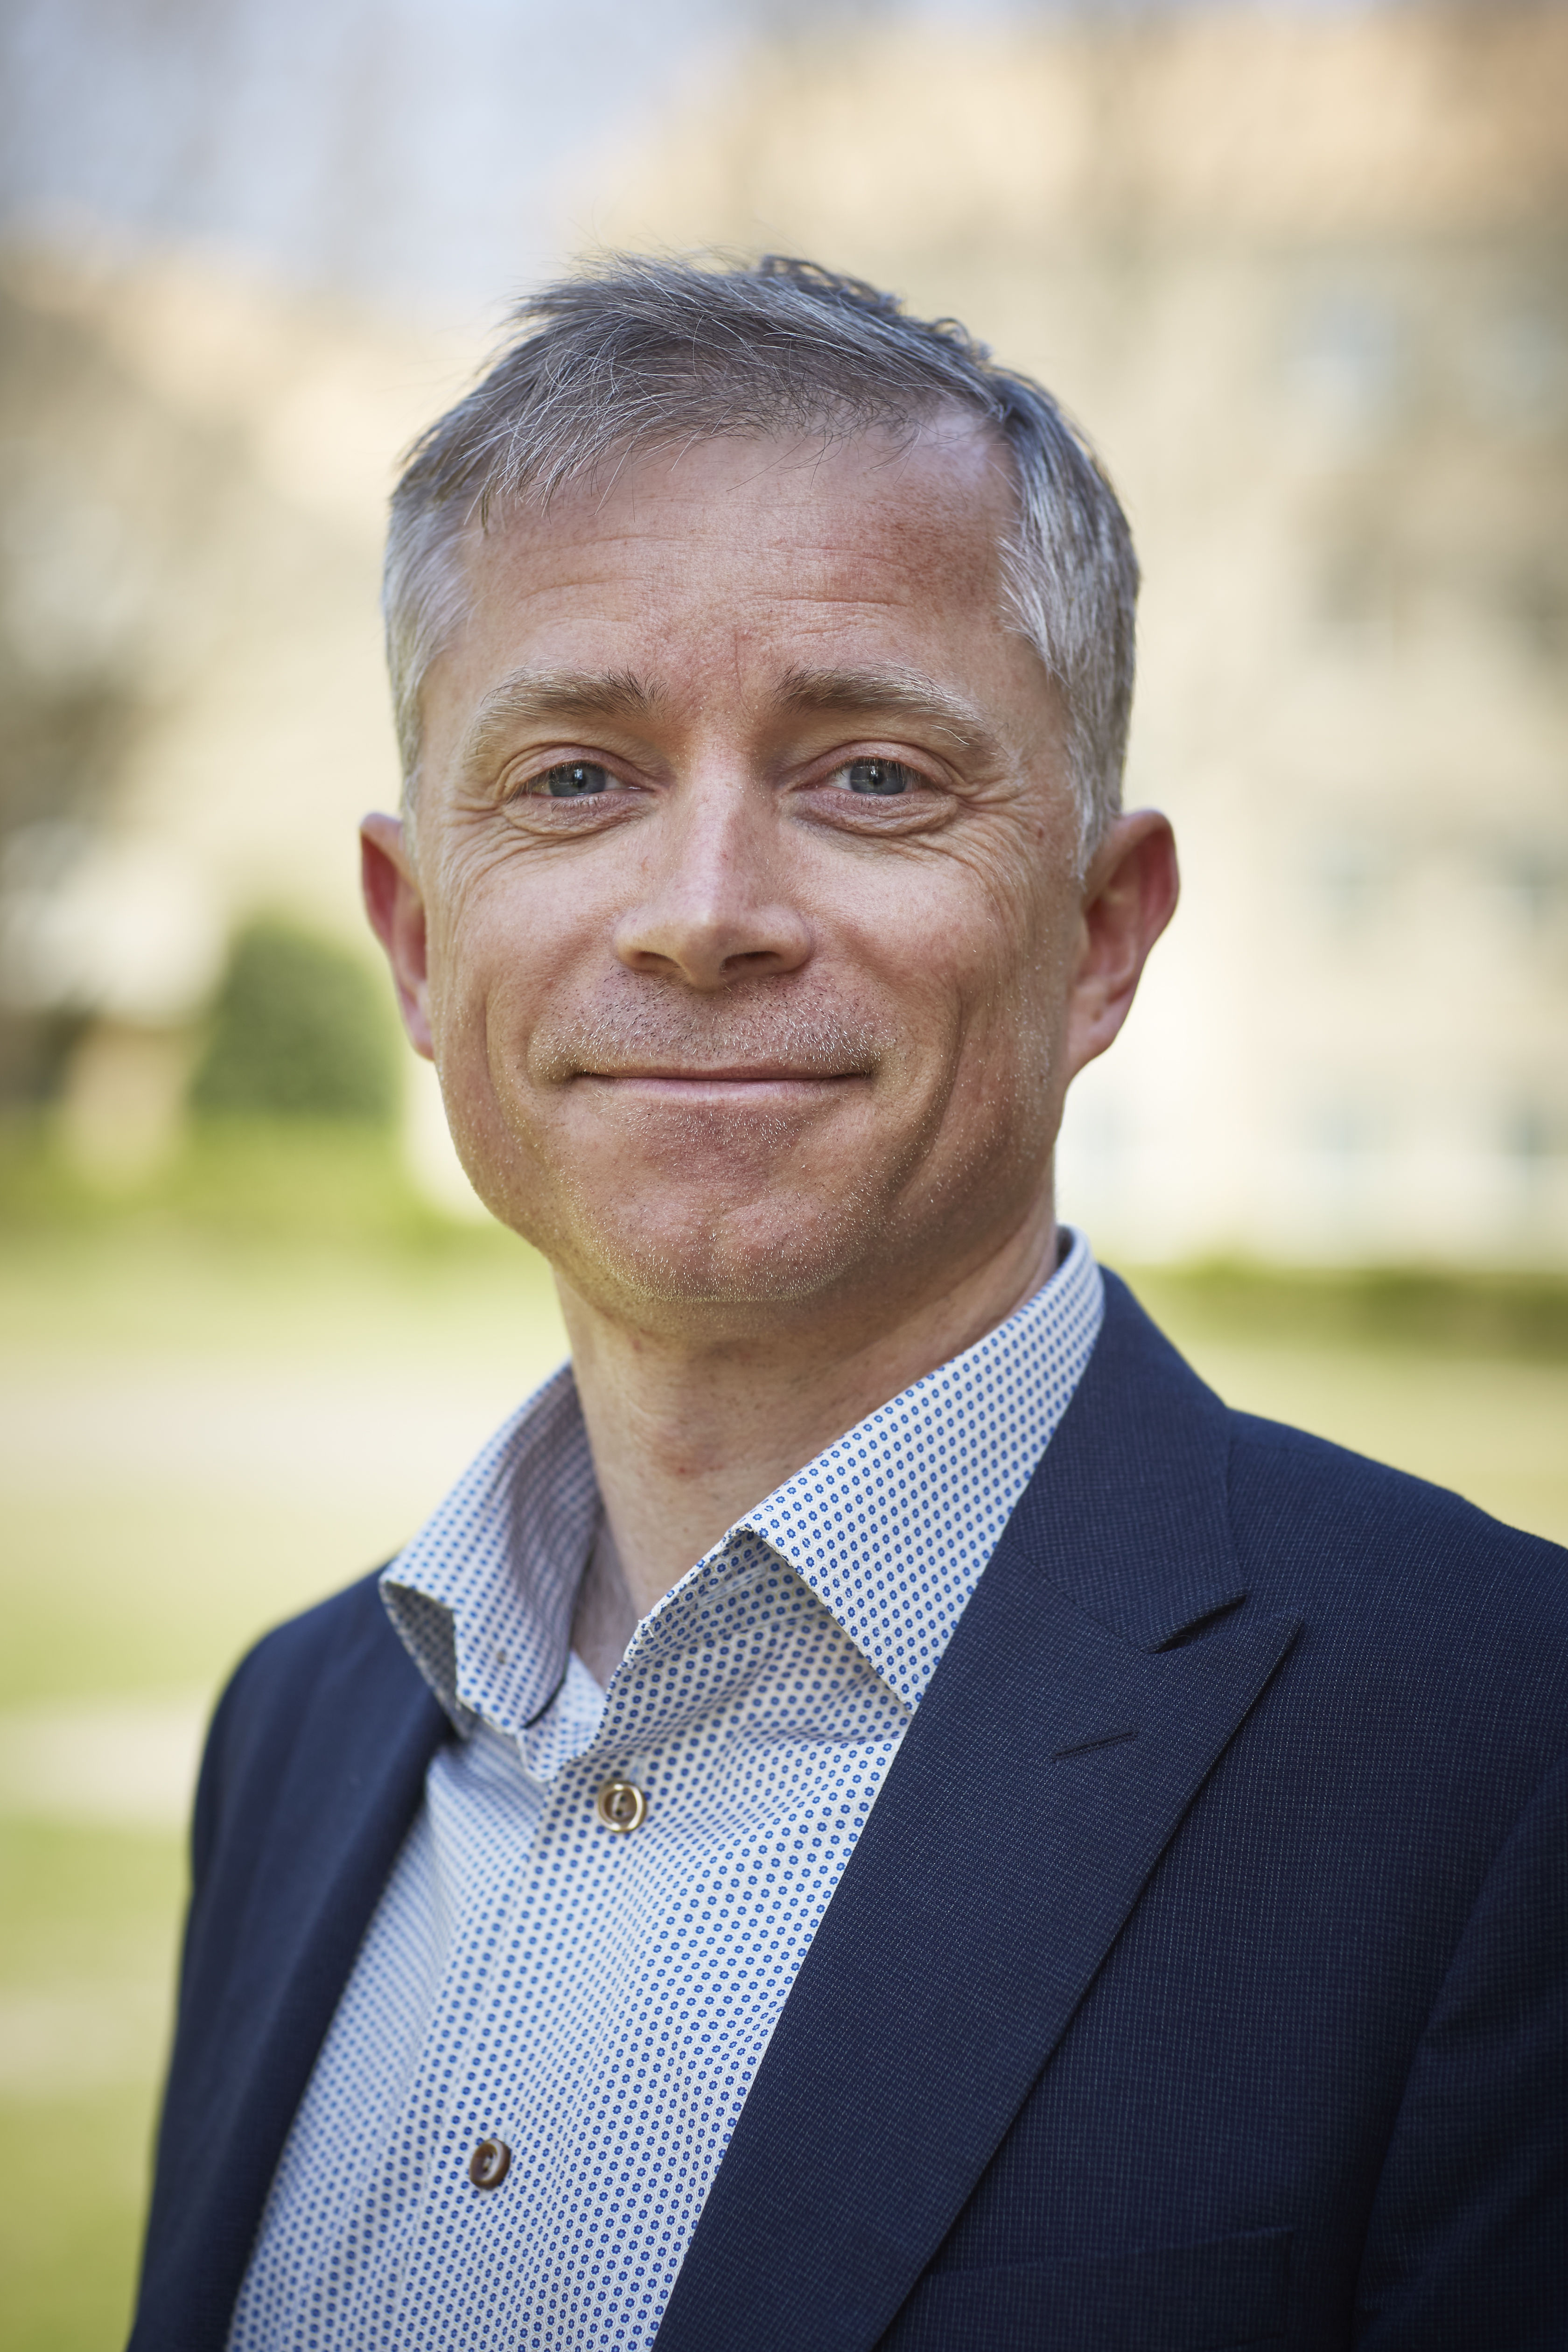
(747, 550)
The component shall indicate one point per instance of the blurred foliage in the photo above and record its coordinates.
(1442, 1310)
(300, 1030)
(239, 1181)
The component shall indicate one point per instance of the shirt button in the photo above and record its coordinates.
(489, 2164)
(621, 1806)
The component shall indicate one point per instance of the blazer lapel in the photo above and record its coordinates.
(1091, 1685)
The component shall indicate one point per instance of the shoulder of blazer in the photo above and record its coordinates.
(1278, 1467)
(314, 1768)
(1385, 1553)
(275, 1695)
(1311, 1523)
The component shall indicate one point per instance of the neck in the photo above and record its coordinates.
(689, 1435)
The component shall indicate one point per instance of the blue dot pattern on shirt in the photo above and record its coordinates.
(602, 2003)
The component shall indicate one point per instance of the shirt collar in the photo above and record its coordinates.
(893, 1524)
(890, 1526)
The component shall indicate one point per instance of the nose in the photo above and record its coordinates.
(715, 906)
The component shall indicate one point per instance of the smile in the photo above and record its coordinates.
(752, 1079)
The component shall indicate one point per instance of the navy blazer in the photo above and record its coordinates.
(1200, 1979)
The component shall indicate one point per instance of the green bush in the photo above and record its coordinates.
(300, 1029)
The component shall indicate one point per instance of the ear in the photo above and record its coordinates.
(395, 905)
(1129, 897)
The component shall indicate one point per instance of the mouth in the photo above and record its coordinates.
(730, 1080)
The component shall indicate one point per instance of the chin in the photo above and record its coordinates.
(771, 1254)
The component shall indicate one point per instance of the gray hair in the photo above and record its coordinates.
(638, 353)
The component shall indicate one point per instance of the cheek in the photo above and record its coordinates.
(1010, 964)
(496, 930)
(973, 931)
(475, 972)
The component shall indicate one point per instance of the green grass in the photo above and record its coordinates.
(231, 1389)
(86, 1967)
(246, 1183)
(75, 2173)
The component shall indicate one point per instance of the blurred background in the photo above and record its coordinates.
(1303, 272)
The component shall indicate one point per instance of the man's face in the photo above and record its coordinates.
(741, 918)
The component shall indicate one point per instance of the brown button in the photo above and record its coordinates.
(621, 1806)
(489, 2164)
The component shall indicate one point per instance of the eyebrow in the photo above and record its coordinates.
(538, 697)
(889, 694)
(541, 697)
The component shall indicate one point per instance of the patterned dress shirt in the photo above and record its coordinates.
(598, 2000)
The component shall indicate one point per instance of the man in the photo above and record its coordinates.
(878, 1812)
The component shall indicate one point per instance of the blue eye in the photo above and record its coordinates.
(573, 781)
(883, 777)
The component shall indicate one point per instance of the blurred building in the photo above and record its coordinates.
(194, 466)
(1305, 277)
